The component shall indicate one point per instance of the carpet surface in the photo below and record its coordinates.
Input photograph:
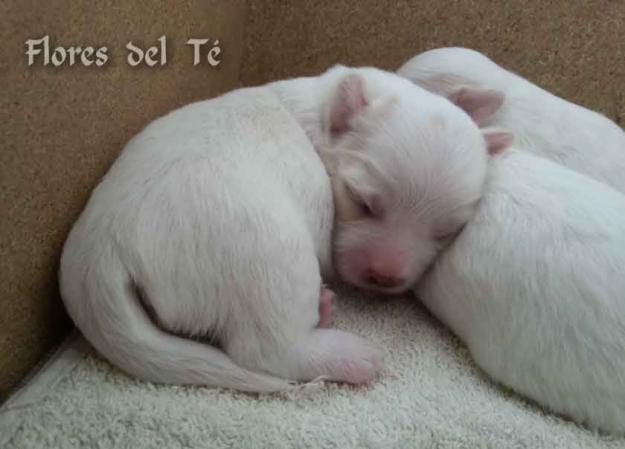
(432, 396)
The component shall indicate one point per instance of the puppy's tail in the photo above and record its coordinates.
(103, 302)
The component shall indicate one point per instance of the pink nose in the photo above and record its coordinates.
(382, 279)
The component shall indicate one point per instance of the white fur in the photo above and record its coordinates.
(535, 286)
(406, 173)
(216, 220)
(541, 122)
(218, 217)
(535, 282)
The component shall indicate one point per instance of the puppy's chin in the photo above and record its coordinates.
(395, 291)
(398, 290)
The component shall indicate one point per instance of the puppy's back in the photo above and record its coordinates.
(535, 285)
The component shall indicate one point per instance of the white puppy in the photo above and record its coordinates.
(216, 221)
(535, 286)
(542, 123)
(404, 190)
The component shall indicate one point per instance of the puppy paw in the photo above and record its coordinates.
(326, 308)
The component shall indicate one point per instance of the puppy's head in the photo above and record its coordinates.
(407, 169)
(466, 77)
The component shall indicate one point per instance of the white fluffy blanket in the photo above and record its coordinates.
(432, 396)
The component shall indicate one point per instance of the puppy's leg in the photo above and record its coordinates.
(326, 297)
(278, 332)
(338, 356)
(330, 353)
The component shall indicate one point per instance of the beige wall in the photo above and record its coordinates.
(574, 48)
(61, 128)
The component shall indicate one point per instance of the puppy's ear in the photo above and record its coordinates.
(381, 107)
(349, 101)
(497, 140)
(480, 103)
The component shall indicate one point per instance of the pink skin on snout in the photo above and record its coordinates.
(374, 264)
(386, 269)
(391, 261)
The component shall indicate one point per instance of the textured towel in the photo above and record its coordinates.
(432, 396)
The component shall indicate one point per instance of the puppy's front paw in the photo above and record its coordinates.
(326, 307)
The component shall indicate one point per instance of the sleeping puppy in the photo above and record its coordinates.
(542, 123)
(402, 192)
(535, 283)
(535, 286)
(216, 222)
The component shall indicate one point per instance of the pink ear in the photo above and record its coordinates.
(349, 101)
(480, 103)
(497, 140)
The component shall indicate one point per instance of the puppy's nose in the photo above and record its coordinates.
(380, 279)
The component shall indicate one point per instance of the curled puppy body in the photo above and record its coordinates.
(200, 220)
(541, 122)
(217, 219)
(534, 286)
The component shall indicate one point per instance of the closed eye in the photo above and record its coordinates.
(454, 221)
(357, 199)
(449, 229)
(445, 237)
(369, 207)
